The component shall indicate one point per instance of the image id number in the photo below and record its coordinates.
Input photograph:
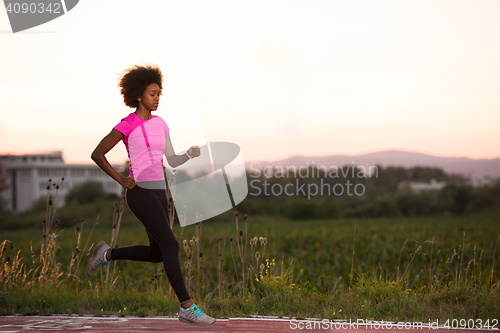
(471, 323)
(33, 8)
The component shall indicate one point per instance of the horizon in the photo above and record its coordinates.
(265, 161)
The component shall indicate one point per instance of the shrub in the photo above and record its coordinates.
(87, 192)
(301, 209)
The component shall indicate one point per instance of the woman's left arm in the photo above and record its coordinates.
(175, 160)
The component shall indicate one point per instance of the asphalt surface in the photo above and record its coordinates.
(18, 324)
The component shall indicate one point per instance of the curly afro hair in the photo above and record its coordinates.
(134, 81)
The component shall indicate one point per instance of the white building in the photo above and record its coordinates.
(419, 187)
(27, 178)
(481, 182)
(433, 185)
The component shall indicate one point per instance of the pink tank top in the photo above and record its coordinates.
(145, 143)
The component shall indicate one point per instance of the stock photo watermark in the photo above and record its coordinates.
(25, 14)
(326, 324)
(347, 180)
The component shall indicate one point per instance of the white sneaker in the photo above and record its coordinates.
(97, 260)
(195, 316)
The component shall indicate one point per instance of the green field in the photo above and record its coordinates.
(416, 266)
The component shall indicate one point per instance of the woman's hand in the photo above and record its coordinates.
(193, 152)
(128, 182)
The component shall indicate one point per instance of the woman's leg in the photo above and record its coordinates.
(151, 208)
(151, 253)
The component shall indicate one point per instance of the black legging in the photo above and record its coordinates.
(151, 208)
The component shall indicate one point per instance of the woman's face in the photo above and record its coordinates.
(151, 97)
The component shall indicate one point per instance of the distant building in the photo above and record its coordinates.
(418, 187)
(481, 182)
(24, 178)
(3, 177)
(433, 185)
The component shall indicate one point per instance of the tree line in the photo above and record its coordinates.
(355, 194)
(315, 193)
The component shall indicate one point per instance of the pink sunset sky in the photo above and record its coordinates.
(278, 78)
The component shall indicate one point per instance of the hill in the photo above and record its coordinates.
(473, 168)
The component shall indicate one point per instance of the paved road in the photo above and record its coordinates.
(16, 324)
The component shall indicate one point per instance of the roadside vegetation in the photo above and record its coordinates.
(398, 268)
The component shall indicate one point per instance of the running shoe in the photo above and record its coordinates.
(97, 260)
(195, 316)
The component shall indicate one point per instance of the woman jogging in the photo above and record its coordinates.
(147, 138)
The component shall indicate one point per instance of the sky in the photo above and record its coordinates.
(278, 78)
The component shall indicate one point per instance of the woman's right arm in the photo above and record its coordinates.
(106, 144)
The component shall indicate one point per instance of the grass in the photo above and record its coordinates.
(380, 303)
(399, 269)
